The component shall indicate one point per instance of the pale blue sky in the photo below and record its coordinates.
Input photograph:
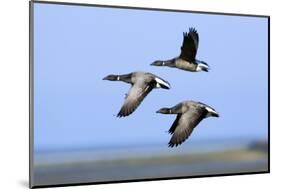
(76, 46)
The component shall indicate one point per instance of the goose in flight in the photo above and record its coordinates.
(189, 115)
(142, 83)
(186, 60)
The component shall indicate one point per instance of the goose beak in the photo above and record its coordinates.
(157, 63)
(105, 78)
(109, 77)
(164, 111)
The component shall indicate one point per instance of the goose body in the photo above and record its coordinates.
(142, 83)
(189, 115)
(187, 59)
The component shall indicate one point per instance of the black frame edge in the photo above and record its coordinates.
(150, 179)
(31, 141)
(268, 56)
(147, 8)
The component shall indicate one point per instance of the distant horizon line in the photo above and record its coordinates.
(235, 140)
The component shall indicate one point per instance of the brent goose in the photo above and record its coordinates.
(186, 60)
(142, 83)
(189, 114)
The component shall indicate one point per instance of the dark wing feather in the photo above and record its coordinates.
(186, 123)
(135, 96)
(175, 124)
(190, 45)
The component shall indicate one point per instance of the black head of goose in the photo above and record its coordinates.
(186, 60)
(142, 83)
(189, 115)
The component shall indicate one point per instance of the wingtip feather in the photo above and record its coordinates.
(170, 145)
(192, 29)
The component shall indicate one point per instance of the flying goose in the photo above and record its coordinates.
(189, 115)
(186, 60)
(142, 83)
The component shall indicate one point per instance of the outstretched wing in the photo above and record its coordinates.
(190, 45)
(135, 96)
(184, 125)
(175, 124)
